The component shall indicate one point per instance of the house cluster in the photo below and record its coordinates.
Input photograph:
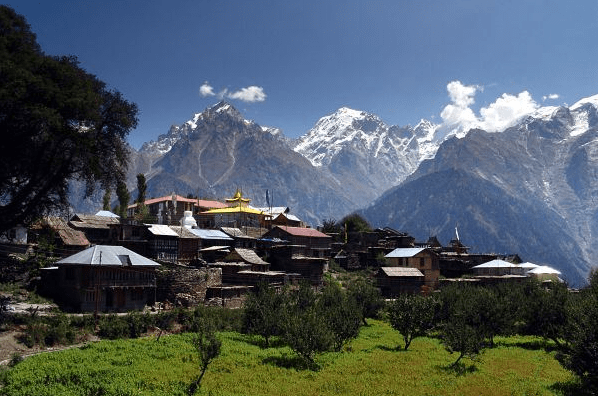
(109, 263)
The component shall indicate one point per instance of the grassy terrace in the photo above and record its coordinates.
(370, 365)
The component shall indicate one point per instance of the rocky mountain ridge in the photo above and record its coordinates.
(533, 187)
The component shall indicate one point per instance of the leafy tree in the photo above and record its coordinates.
(305, 331)
(106, 199)
(208, 347)
(462, 329)
(342, 315)
(367, 297)
(60, 123)
(412, 316)
(263, 312)
(547, 311)
(123, 199)
(330, 226)
(355, 223)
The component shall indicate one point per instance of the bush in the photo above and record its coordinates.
(113, 327)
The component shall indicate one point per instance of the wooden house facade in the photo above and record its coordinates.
(103, 278)
(423, 259)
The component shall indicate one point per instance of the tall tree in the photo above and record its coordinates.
(141, 188)
(58, 122)
(123, 199)
(106, 199)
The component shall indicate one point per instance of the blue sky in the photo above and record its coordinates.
(286, 64)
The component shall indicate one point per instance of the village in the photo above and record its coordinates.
(188, 252)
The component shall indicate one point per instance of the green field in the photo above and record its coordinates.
(369, 365)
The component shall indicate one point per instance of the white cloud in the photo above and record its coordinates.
(551, 96)
(504, 112)
(462, 95)
(249, 94)
(206, 90)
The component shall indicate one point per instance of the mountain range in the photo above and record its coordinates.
(527, 190)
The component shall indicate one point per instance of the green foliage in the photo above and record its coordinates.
(106, 199)
(462, 329)
(208, 348)
(355, 223)
(412, 316)
(123, 199)
(263, 311)
(60, 122)
(547, 311)
(373, 367)
(341, 313)
(141, 188)
(366, 296)
(580, 354)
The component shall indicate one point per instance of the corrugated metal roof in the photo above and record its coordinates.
(162, 230)
(107, 213)
(402, 271)
(210, 234)
(544, 269)
(108, 255)
(404, 252)
(496, 264)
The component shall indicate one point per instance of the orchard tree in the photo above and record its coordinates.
(58, 122)
(367, 297)
(263, 312)
(412, 316)
(342, 314)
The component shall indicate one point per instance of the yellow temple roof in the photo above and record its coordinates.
(235, 209)
(238, 198)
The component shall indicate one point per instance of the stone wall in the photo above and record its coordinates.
(185, 286)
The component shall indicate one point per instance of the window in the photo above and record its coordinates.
(422, 262)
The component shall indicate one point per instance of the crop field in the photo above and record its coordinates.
(370, 365)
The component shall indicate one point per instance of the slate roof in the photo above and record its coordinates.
(107, 255)
(302, 231)
(68, 235)
(93, 221)
(401, 271)
(184, 232)
(250, 256)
